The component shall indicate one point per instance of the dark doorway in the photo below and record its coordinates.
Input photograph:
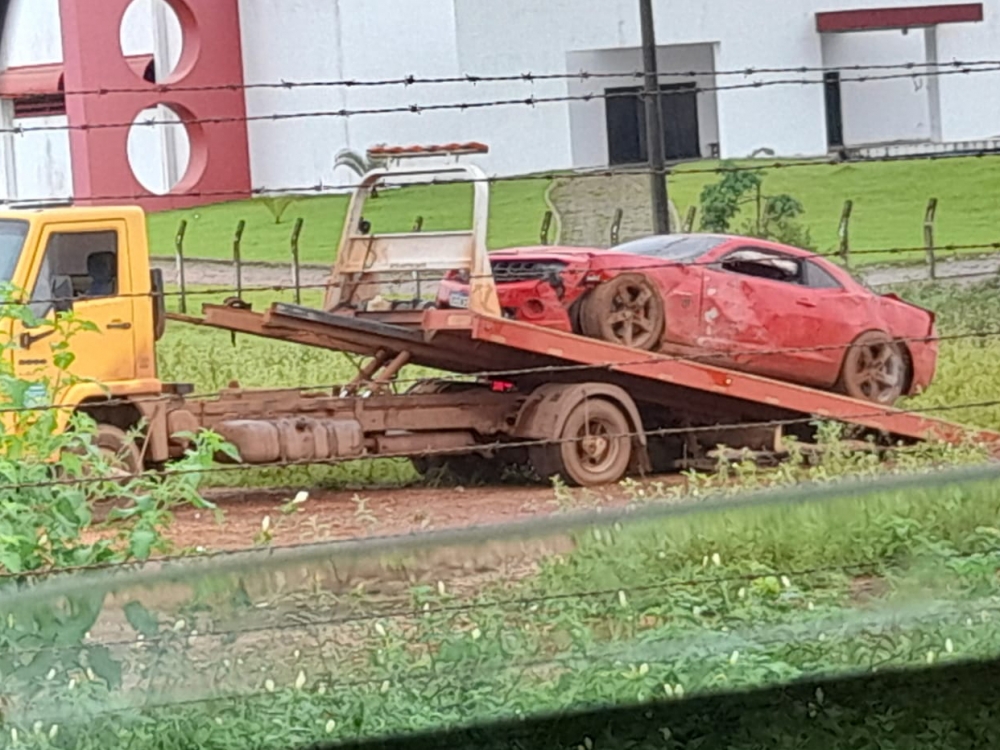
(834, 110)
(626, 118)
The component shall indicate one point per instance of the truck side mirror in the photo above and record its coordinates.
(62, 294)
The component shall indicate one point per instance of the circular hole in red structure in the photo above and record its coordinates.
(155, 38)
(160, 149)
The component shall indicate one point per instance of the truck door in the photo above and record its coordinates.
(87, 262)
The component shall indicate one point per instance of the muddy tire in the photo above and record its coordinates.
(875, 369)
(594, 449)
(122, 453)
(466, 469)
(627, 310)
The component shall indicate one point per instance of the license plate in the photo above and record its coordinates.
(459, 300)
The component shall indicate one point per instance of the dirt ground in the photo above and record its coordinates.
(331, 516)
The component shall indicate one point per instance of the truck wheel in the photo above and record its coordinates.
(594, 449)
(627, 310)
(122, 453)
(875, 369)
(466, 469)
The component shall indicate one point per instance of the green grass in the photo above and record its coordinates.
(639, 613)
(890, 199)
(516, 211)
(889, 203)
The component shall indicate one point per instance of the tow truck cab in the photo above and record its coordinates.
(89, 265)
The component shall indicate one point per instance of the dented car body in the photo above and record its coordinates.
(738, 302)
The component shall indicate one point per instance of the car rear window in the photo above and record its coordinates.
(679, 248)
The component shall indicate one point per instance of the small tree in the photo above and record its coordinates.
(773, 216)
(50, 480)
(277, 205)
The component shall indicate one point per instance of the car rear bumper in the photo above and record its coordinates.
(528, 301)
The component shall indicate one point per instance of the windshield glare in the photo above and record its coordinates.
(677, 248)
(12, 236)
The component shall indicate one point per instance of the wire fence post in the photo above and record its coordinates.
(844, 233)
(692, 214)
(546, 228)
(296, 266)
(179, 255)
(616, 226)
(929, 217)
(238, 257)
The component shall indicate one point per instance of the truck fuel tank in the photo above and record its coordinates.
(263, 441)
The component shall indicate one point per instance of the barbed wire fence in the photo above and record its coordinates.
(393, 640)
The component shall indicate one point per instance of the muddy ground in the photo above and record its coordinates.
(332, 516)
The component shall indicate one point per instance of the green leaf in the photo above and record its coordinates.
(63, 360)
(141, 543)
(141, 619)
(104, 666)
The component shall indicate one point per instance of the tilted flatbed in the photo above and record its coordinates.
(564, 404)
(465, 343)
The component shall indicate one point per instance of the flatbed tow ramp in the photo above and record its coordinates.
(586, 409)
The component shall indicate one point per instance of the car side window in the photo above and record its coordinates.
(81, 264)
(818, 277)
(763, 264)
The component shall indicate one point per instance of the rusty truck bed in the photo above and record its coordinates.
(465, 343)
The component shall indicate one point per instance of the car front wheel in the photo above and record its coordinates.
(627, 310)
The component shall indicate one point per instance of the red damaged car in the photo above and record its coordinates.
(737, 302)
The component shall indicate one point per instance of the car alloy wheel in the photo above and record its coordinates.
(627, 310)
(875, 369)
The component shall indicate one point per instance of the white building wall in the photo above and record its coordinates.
(297, 41)
(588, 122)
(42, 164)
(33, 35)
(525, 35)
(383, 40)
(329, 40)
(879, 111)
(970, 104)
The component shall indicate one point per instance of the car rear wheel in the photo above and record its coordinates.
(627, 310)
(875, 369)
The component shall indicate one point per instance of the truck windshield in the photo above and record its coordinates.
(12, 235)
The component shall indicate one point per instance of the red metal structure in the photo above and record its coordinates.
(879, 19)
(212, 56)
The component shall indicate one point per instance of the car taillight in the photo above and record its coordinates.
(461, 277)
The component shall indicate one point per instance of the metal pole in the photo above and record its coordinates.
(654, 122)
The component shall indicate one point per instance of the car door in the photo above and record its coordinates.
(85, 260)
(759, 314)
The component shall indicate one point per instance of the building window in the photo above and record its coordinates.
(625, 110)
(834, 110)
(44, 105)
